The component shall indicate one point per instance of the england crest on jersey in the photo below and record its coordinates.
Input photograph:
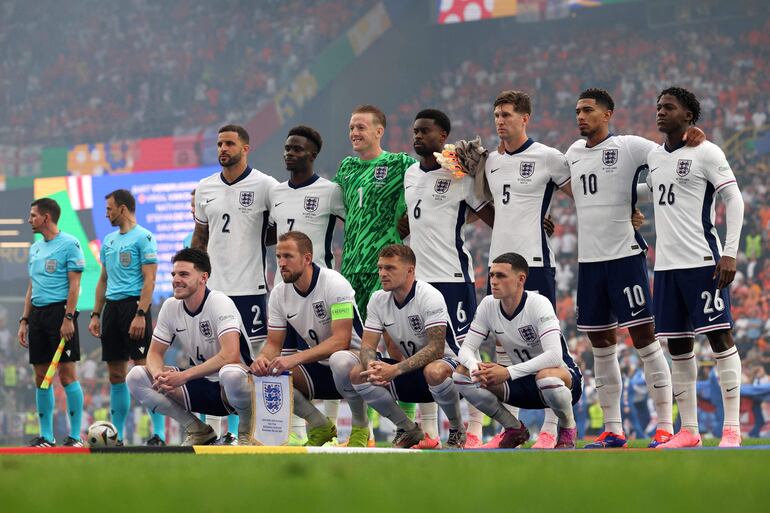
(246, 198)
(683, 167)
(609, 157)
(528, 333)
(50, 265)
(272, 396)
(380, 172)
(415, 322)
(319, 309)
(311, 203)
(205, 327)
(527, 169)
(442, 185)
(125, 258)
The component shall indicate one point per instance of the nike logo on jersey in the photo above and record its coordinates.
(574, 162)
(634, 314)
(209, 200)
(391, 324)
(180, 331)
(292, 315)
(281, 203)
(715, 317)
(500, 332)
(495, 169)
(653, 169)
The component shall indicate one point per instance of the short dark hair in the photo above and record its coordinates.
(48, 206)
(376, 112)
(601, 96)
(520, 100)
(517, 262)
(309, 133)
(123, 197)
(686, 98)
(304, 244)
(197, 257)
(437, 116)
(401, 251)
(243, 135)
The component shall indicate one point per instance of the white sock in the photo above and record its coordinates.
(729, 373)
(551, 420)
(429, 418)
(304, 408)
(331, 409)
(447, 397)
(140, 385)
(609, 386)
(505, 360)
(298, 426)
(658, 377)
(475, 421)
(381, 400)
(684, 374)
(485, 401)
(240, 392)
(341, 363)
(559, 398)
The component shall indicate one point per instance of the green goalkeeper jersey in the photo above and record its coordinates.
(373, 192)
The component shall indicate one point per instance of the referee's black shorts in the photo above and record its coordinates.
(117, 346)
(44, 334)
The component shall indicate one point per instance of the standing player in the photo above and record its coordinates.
(187, 242)
(319, 304)
(231, 223)
(56, 263)
(310, 204)
(692, 272)
(543, 374)
(124, 297)
(414, 314)
(437, 206)
(209, 329)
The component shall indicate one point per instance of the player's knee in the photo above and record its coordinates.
(342, 362)
(561, 374)
(720, 340)
(436, 373)
(138, 377)
(231, 374)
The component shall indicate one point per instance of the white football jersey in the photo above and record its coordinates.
(310, 314)
(522, 186)
(520, 334)
(198, 332)
(604, 179)
(236, 215)
(311, 208)
(683, 183)
(407, 324)
(437, 204)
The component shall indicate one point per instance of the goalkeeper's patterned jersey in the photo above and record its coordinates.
(373, 193)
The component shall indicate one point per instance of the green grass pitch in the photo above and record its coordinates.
(537, 481)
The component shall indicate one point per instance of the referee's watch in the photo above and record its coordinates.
(140, 312)
(24, 319)
(69, 316)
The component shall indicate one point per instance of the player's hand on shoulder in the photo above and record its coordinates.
(724, 272)
(637, 219)
(693, 136)
(260, 366)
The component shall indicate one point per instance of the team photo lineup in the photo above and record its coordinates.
(396, 332)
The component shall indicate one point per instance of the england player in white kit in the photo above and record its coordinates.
(206, 325)
(231, 223)
(542, 374)
(319, 304)
(437, 205)
(692, 270)
(613, 288)
(414, 315)
(522, 179)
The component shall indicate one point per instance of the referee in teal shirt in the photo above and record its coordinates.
(56, 264)
(121, 315)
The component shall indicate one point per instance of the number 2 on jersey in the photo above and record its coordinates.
(226, 219)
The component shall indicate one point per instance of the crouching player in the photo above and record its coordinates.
(415, 316)
(207, 326)
(543, 374)
(320, 305)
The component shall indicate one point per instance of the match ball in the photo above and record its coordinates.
(102, 434)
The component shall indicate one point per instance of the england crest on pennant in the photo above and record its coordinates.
(272, 396)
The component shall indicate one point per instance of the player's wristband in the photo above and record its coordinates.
(342, 311)
(95, 314)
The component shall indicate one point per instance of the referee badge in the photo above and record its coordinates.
(527, 169)
(683, 167)
(311, 203)
(205, 327)
(246, 198)
(442, 185)
(609, 157)
(125, 258)
(319, 309)
(415, 322)
(380, 172)
(50, 265)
